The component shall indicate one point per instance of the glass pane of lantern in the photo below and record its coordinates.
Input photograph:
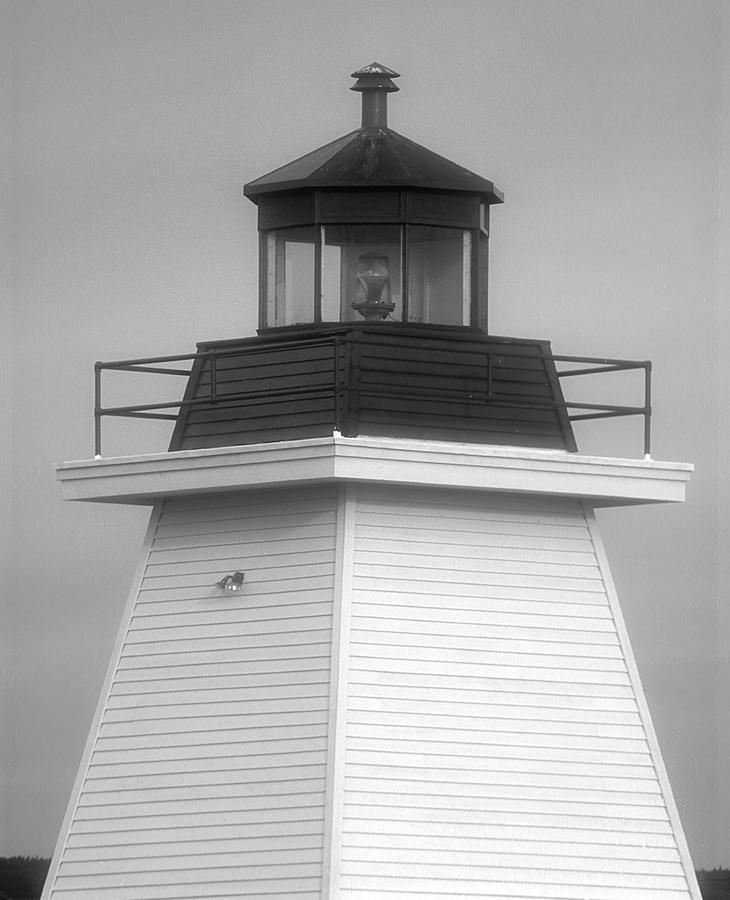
(439, 275)
(361, 273)
(290, 276)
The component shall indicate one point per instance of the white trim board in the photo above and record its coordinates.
(603, 481)
(633, 670)
(92, 738)
(340, 670)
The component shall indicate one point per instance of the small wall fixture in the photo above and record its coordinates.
(232, 582)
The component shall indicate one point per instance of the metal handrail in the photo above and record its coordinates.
(594, 366)
(601, 365)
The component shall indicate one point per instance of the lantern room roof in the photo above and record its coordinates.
(379, 158)
(373, 156)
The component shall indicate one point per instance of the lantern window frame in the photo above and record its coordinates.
(316, 209)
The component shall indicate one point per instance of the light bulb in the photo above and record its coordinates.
(373, 287)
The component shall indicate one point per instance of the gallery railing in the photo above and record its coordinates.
(343, 386)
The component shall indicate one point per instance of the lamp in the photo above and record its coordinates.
(232, 582)
(373, 287)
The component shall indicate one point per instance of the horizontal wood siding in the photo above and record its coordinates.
(495, 747)
(444, 384)
(207, 775)
(445, 394)
(288, 391)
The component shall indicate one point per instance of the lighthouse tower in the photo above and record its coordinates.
(373, 648)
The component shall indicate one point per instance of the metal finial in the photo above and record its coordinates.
(375, 83)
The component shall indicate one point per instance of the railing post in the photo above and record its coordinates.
(350, 399)
(97, 410)
(336, 384)
(647, 409)
(213, 378)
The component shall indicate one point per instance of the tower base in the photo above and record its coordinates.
(422, 692)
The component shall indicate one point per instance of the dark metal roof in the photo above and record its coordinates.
(371, 159)
(374, 156)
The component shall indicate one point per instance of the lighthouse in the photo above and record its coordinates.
(373, 648)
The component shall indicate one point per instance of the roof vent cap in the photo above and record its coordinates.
(375, 82)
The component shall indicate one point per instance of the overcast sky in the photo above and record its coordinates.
(127, 130)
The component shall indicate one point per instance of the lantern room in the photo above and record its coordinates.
(373, 227)
(373, 314)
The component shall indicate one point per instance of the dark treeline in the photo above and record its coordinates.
(22, 877)
(715, 884)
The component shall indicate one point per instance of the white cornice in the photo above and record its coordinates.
(603, 481)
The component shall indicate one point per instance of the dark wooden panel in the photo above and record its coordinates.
(224, 412)
(443, 208)
(263, 380)
(433, 432)
(310, 371)
(398, 409)
(404, 381)
(263, 436)
(276, 211)
(360, 206)
(254, 356)
(429, 377)
(464, 357)
(261, 423)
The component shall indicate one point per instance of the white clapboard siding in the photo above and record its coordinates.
(497, 744)
(482, 732)
(206, 770)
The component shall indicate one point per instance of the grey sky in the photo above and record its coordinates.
(126, 132)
